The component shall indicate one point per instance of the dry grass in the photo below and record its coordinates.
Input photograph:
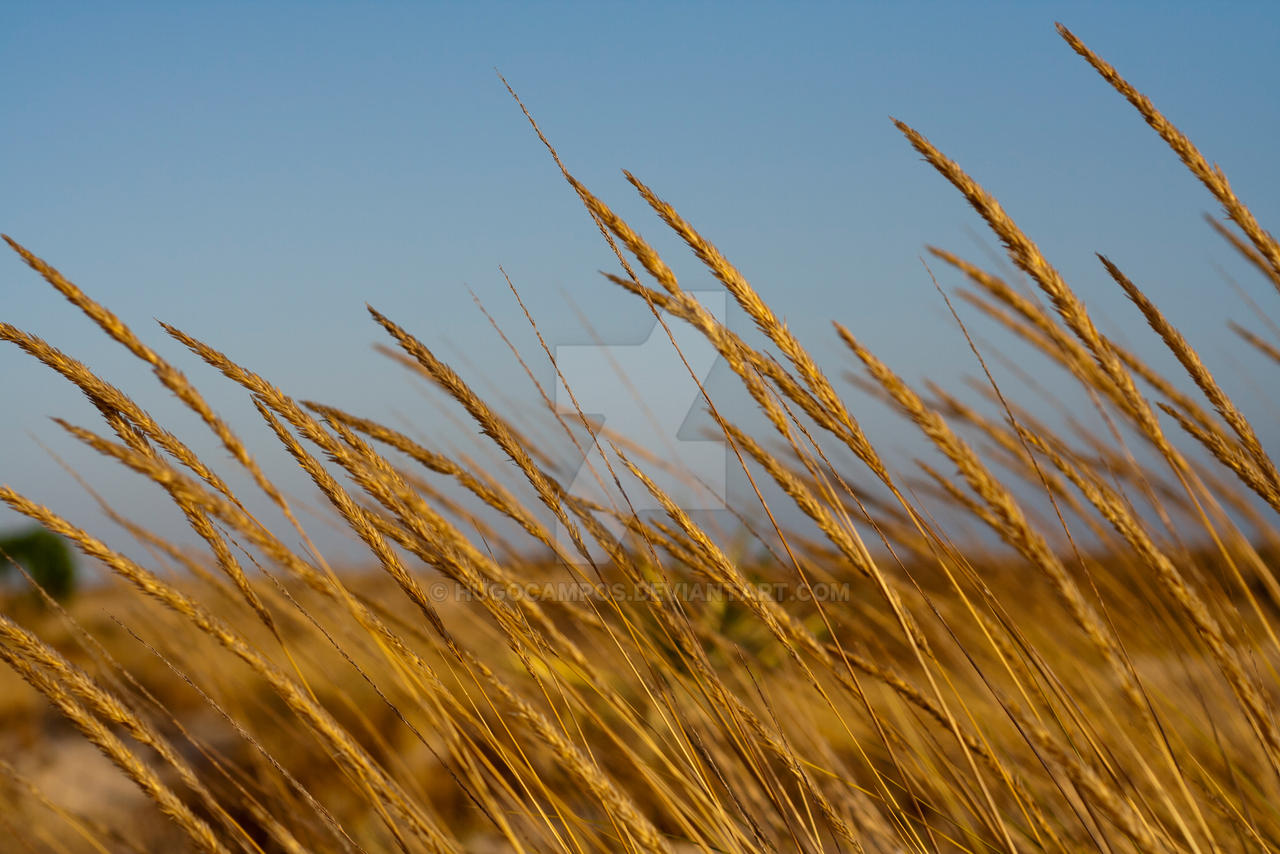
(1106, 682)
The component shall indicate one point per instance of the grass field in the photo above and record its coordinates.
(1101, 676)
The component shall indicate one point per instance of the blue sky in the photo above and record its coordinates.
(256, 173)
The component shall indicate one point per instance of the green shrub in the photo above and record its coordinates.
(45, 557)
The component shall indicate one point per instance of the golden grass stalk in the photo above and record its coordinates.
(53, 685)
(1204, 380)
(1213, 178)
(385, 793)
(1257, 342)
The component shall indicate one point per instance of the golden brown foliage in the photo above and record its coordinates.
(871, 685)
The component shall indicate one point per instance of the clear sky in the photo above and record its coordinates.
(255, 173)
